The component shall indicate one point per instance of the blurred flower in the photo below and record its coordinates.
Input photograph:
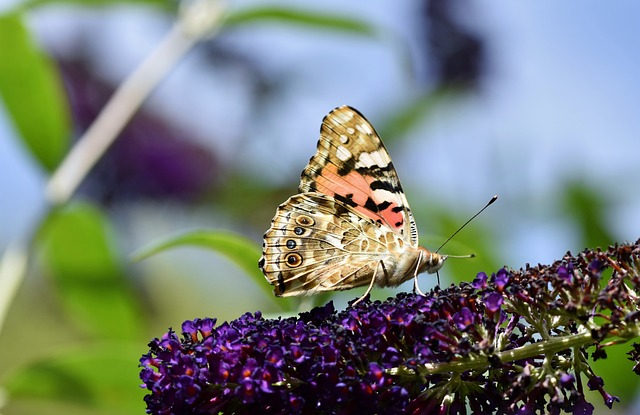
(152, 158)
(456, 53)
(515, 342)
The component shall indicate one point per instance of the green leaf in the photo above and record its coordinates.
(414, 113)
(33, 94)
(476, 238)
(238, 249)
(300, 17)
(589, 208)
(611, 370)
(105, 376)
(98, 3)
(79, 253)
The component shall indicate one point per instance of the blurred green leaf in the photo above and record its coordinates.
(414, 113)
(238, 249)
(252, 201)
(94, 3)
(33, 94)
(307, 18)
(101, 377)
(624, 387)
(76, 242)
(476, 238)
(588, 207)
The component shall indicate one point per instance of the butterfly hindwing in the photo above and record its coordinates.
(317, 243)
(352, 165)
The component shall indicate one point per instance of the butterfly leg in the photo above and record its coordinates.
(373, 280)
(416, 288)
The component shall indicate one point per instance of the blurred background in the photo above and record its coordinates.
(536, 101)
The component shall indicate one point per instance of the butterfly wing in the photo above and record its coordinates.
(352, 166)
(316, 243)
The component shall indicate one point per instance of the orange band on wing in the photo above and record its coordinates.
(355, 190)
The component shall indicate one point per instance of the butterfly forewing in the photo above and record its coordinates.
(352, 165)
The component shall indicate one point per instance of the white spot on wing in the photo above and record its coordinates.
(345, 114)
(375, 158)
(334, 240)
(365, 160)
(350, 130)
(382, 194)
(344, 139)
(365, 128)
(343, 154)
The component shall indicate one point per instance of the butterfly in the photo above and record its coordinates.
(350, 224)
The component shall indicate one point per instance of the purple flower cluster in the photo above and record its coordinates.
(477, 346)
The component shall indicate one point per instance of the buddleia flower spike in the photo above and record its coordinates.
(513, 342)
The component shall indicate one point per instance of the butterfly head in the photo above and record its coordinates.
(430, 262)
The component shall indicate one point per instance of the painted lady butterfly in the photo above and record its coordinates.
(350, 224)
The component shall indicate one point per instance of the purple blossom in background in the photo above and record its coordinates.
(469, 348)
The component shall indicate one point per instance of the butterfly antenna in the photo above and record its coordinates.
(493, 199)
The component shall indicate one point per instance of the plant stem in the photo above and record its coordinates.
(549, 346)
(198, 19)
